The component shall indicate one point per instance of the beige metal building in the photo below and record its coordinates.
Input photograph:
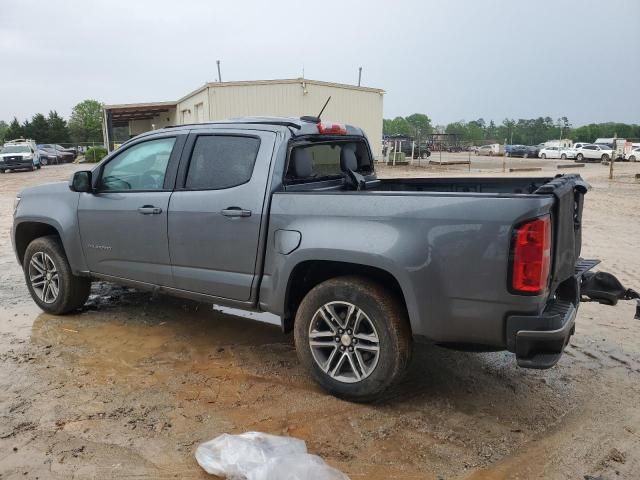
(359, 106)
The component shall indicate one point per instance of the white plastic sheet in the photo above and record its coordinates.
(261, 456)
(302, 466)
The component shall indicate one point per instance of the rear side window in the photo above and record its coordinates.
(221, 161)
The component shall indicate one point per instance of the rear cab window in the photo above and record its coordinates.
(318, 160)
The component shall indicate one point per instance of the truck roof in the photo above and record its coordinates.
(297, 126)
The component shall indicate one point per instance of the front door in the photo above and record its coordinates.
(123, 224)
(215, 214)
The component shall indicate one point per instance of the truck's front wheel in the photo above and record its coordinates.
(51, 283)
(353, 336)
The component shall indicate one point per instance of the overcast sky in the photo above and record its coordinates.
(452, 60)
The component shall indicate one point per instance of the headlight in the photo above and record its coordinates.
(16, 202)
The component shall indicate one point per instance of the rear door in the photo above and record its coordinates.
(589, 151)
(123, 224)
(215, 214)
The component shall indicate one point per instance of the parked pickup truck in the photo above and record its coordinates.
(287, 216)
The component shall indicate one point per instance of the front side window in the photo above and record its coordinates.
(221, 161)
(140, 167)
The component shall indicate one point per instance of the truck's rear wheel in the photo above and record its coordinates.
(49, 279)
(353, 336)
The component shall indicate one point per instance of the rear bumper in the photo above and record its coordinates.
(539, 340)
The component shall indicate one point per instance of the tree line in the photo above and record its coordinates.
(522, 131)
(84, 126)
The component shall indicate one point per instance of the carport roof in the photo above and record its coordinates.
(138, 111)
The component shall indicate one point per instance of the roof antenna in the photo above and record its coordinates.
(310, 118)
(325, 106)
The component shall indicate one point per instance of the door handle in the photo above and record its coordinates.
(236, 212)
(149, 210)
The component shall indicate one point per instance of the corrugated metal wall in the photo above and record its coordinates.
(361, 108)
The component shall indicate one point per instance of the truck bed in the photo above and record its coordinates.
(511, 185)
(446, 240)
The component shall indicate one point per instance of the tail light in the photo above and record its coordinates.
(330, 128)
(532, 256)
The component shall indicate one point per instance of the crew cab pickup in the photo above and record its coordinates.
(287, 216)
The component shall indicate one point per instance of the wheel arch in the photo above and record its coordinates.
(309, 273)
(28, 231)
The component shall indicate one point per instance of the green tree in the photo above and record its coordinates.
(37, 128)
(420, 125)
(4, 126)
(475, 131)
(85, 124)
(15, 130)
(58, 131)
(508, 127)
(397, 126)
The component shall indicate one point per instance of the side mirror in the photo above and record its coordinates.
(81, 181)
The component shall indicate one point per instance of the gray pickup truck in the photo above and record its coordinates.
(287, 216)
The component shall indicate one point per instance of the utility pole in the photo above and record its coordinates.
(359, 75)
(219, 75)
(613, 155)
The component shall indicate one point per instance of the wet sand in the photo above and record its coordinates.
(131, 385)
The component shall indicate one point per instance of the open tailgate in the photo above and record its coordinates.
(569, 191)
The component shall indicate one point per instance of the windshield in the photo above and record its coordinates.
(16, 149)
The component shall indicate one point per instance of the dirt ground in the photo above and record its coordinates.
(131, 385)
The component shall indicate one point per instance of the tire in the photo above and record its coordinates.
(348, 366)
(579, 157)
(424, 156)
(2, 170)
(507, 154)
(44, 162)
(33, 167)
(543, 156)
(526, 155)
(604, 158)
(632, 158)
(39, 166)
(563, 156)
(45, 261)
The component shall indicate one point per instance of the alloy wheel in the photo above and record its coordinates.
(344, 342)
(44, 277)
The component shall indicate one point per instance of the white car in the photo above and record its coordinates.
(485, 150)
(633, 155)
(594, 152)
(552, 152)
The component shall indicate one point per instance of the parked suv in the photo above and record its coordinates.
(593, 152)
(19, 155)
(633, 155)
(287, 216)
(518, 151)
